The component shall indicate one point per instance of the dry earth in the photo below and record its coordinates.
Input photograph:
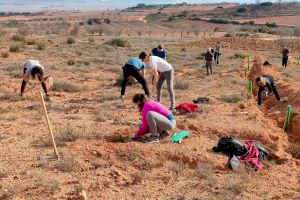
(91, 124)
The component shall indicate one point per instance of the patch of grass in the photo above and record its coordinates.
(18, 37)
(182, 85)
(15, 48)
(41, 45)
(109, 97)
(67, 165)
(31, 41)
(63, 86)
(138, 177)
(70, 40)
(239, 55)
(91, 40)
(204, 170)
(50, 185)
(12, 97)
(118, 42)
(177, 167)
(232, 98)
(294, 150)
(68, 135)
(71, 62)
(4, 54)
(119, 139)
(130, 155)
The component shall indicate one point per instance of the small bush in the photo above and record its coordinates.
(239, 55)
(117, 43)
(4, 54)
(70, 40)
(272, 24)
(67, 165)
(41, 45)
(233, 98)
(15, 48)
(62, 86)
(138, 177)
(50, 185)
(177, 167)
(31, 42)
(18, 37)
(71, 62)
(91, 40)
(294, 150)
(92, 21)
(182, 85)
(241, 10)
(228, 35)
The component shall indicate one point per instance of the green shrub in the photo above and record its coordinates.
(271, 24)
(241, 10)
(118, 43)
(92, 21)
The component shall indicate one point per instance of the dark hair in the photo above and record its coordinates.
(35, 71)
(258, 79)
(142, 55)
(140, 99)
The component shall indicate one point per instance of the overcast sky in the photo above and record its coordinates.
(38, 5)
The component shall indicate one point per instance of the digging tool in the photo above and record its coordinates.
(49, 126)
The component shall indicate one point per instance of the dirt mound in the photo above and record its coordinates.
(277, 110)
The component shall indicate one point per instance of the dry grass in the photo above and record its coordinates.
(182, 85)
(50, 185)
(70, 40)
(67, 165)
(177, 167)
(118, 43)
(4, 54)
(63, 86)
(232, 98)
(15, 48)
(138, 177)
(294, 150)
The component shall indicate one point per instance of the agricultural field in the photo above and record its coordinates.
(84, 52)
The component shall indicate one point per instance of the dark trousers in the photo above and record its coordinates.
(23, 85)
(216, 57)
(208, 66)
(128, 70)
(284, 61)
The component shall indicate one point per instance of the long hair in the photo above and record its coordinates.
(140, 99)
(35, 71)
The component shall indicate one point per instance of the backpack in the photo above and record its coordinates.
(230, 146)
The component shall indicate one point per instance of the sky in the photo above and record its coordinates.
(40, 5)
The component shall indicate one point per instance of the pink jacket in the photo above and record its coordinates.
(151, 106)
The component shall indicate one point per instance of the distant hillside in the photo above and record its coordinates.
(223, 15)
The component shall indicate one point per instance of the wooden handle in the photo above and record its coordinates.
(49, 125)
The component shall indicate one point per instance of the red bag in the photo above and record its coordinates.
(188, 107)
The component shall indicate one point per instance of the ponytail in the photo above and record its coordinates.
(140, 99)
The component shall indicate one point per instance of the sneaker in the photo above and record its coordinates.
(164, 134)
(47, 97)
(152, 140)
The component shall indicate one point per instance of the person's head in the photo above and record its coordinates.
(260, 81)
(159, 47)
(37, 71)
(139, 100)
(219, 43)
(208, 50)
(142, 56)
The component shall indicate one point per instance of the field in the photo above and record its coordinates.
(280, 20)
(91, 123)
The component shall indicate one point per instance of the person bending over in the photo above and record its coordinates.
(267, 81)
(33, 69)
(159, 51)
(156, 118)
(133, 68)
(162, 71)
